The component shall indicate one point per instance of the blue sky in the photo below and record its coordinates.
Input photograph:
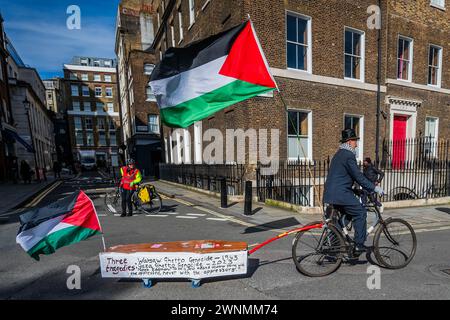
(39, 33)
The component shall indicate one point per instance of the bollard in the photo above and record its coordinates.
(248, 198)
(223, 193)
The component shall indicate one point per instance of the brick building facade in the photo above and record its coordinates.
(91, 99)
(136, 60)
(324, 58)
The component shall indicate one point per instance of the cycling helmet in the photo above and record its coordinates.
(130, 161)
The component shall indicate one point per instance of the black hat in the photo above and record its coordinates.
(348, 134)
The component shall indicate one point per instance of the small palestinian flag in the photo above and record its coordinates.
(193, 82)
(64, 222)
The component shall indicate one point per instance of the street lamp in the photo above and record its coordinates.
(27, 104)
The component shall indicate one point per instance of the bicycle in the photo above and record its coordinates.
(145, 198)
(330, 243)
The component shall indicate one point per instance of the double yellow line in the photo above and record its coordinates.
(43, 195)
(35, 201)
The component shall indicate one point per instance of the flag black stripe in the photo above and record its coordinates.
(178, 60)
(36, 216)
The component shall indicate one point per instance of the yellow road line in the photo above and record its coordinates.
(43, 195)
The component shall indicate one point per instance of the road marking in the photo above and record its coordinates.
(216, 219)
(157, 215)
(186, 217)
(42, 196)
(111, 208)
(196, 214)
(171, 213)
(117, 215)
(102, 215)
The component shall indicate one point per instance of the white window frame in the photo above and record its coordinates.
(198, 143)
(180, 25)
(149, 97)
(83, 92)
(108, 78)
(75, 105)
(85, 77)
(73, 76)
(72, 87)
(310, 131)
(411, 58)
(147, 68)
(191, 13)
(362, 57)
(439, 74)
(309, 43)
(97, 77)
(440, 4)
(106, 92)
(91, 121)
(87, 107)
(157, 131)
(110, 107)
(99, 106)
(360, 155)
(436, 134)
(101, 92)
(172, 32)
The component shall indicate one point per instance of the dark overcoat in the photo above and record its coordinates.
(342, 174)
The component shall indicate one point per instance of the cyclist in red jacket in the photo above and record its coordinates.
(131, 176)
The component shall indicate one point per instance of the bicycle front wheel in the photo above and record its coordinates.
(113, 201)
(395, 244)
(318, 252)
(152, 207)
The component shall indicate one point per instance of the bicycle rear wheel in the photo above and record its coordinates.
(395, 244)
(153, 206)
(318, 252)
(113, 201)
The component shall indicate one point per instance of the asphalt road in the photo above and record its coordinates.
(272, 274)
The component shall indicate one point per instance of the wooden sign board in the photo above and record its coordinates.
(190, 259)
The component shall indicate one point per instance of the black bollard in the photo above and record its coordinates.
(223, 193)
(248, 198)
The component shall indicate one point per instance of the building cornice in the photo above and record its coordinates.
(89, 68)
(304, 76)
(417, 86)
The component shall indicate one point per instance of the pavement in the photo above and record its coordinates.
(191, 216)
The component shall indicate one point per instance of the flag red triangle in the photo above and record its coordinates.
(246, 62)
(83, 214)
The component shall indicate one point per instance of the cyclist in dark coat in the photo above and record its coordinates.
(371, 172)
(342, 174)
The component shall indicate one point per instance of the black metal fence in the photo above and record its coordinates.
(205, 176)
(414, 169)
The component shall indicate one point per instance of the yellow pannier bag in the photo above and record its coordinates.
(144, 195)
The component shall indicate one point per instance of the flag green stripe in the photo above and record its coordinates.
(61, 238)
(188, 112)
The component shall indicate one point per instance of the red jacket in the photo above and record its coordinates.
(129, 176)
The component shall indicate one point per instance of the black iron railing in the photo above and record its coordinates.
(412, 176)
(205, 176)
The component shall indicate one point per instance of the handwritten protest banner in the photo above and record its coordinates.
(172, 264)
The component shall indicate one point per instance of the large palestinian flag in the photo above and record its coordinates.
(67, 221)
(204, 77)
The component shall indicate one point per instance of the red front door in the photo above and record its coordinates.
(399, 141)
